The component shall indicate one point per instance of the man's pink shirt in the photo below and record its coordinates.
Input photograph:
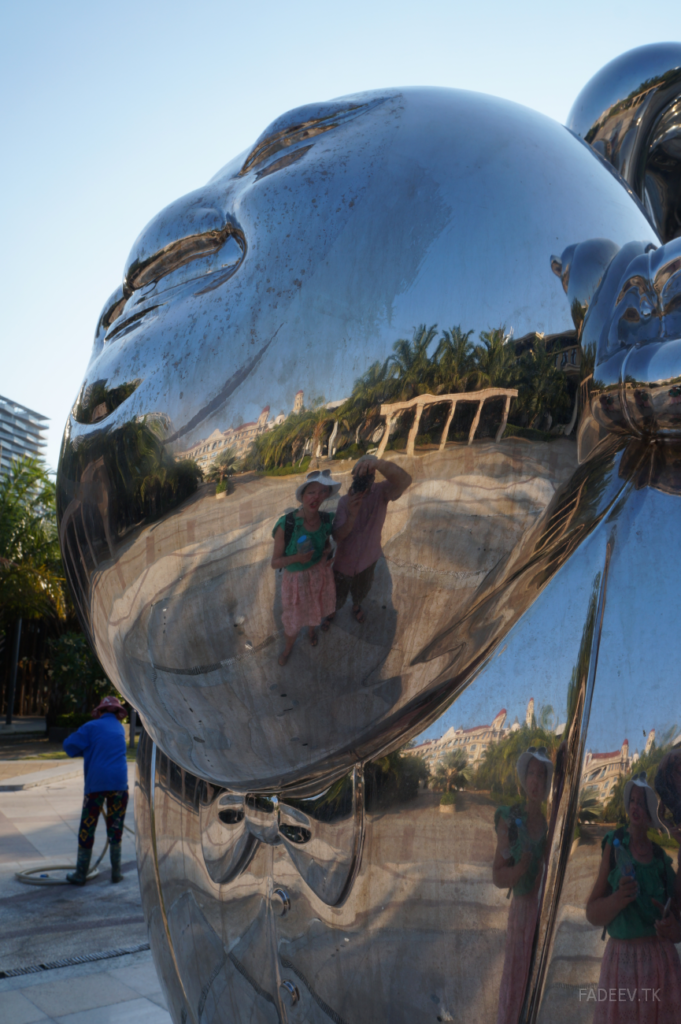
(362, 547)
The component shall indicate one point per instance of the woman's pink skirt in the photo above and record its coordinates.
(307, 597)
(522, 920)
(640, 983)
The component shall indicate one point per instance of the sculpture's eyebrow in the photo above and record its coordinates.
(285, 137)
(663, 276)
(640, 283)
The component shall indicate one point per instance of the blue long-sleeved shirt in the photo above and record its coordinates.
(102, 744)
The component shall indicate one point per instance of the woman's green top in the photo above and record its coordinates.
(319, 539)
(519, 840)
(638, 918)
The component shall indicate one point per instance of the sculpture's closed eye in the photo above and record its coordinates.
(185, 250)
(280, 136)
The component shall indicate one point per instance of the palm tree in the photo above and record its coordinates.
(369, 391)
(589, 809)
(222, 466)
(494, 360)
(410, 365)
(319, 420)
(452, 771)
(453, 361)
(542, 387)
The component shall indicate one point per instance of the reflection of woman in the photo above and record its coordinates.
(302, 548)
(521, 844)
(640, 957)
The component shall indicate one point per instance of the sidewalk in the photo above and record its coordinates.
(27, 773)
(120, 991)
(38, 827)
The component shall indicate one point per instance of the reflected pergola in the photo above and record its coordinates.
(391, 410)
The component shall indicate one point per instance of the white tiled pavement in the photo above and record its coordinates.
(120, 991)
(39, 826)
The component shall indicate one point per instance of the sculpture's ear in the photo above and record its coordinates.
(581, 268)
(561, 265)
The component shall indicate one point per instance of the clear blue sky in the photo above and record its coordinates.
(110, 111)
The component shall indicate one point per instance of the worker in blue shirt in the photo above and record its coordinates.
(101, 743)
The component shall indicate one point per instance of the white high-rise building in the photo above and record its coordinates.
(21, 432)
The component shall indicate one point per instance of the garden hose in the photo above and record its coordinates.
(40, 876)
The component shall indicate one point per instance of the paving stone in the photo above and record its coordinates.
(15, 1008)
(59, 998)
(140, 1011)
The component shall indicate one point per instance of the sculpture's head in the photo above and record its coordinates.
(292, 274)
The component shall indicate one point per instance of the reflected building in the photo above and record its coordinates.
(473, 742)
(602, 771)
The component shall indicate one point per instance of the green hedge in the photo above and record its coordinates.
(290, 470)
(72, 721)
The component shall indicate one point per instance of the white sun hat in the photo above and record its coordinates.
(641, 780)
(539, 754)
(319, 476)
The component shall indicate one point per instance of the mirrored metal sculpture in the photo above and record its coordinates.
(349, 474)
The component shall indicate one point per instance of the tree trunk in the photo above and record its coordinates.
(13, 664)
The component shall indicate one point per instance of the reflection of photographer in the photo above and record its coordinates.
(358, 525)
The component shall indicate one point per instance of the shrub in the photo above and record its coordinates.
(290, 470)
(353, 451)
(221, 486)
(422, 439)
(447, 799)
(662, 839)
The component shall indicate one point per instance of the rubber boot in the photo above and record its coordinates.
(115, 851)
(79, 876)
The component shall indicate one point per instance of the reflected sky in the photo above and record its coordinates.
(636, 687)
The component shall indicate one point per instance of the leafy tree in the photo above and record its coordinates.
(393, 779)
(78, 680)
(145, 481)
(31, 576)
(497, 771)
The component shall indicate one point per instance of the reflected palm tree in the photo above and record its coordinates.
(410, 365)
(454, 361)
(542, 387)
(452, 772)
(495, 360)
(223, 466)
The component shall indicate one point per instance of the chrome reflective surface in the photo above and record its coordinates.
(326, 829)
(630, 112)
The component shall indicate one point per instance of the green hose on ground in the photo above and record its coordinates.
(40, 876)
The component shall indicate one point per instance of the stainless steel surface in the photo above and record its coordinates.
(630, 112)
(319, 839)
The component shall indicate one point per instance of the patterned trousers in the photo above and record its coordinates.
(116, 803)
